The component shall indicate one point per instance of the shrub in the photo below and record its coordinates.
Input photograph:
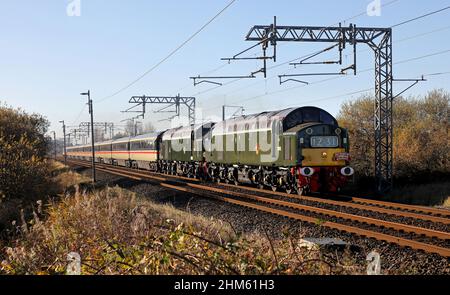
(23, 146)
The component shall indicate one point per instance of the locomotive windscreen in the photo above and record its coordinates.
(307, 115)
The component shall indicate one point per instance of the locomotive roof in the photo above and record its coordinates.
(289, 117)
(183, 131)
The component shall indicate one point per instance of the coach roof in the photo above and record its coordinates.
(147, 136)
(290, 118)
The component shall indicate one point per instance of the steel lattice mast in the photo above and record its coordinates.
(380, 40)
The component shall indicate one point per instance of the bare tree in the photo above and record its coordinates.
(119, 135)
(133, 128)
(99, 134)
(148, 127)
(421, 142)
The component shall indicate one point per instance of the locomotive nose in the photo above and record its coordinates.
(347, 171)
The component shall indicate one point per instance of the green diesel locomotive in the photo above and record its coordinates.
(296, 150)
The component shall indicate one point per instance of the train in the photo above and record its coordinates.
(296, 150)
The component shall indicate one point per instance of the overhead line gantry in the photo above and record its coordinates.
(170, 101)
(378, 39)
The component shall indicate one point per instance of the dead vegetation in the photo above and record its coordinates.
(421, 141)
(117, 232)
(421, 146)
(68, 179)
(446, 203)
(427, 194)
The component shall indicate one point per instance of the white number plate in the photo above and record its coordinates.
(324, 141)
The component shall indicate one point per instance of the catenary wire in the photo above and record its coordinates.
(169, 55)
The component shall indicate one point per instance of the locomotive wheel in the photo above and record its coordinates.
(297, 190)
(260, 179)
(235, 177)
(288, 190)
(251, 177)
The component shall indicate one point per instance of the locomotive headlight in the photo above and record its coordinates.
(347, 171)
(324, 155)
(307, 171)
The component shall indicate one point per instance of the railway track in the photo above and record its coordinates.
(282, 204)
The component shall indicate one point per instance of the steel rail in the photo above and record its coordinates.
(424, 209)
(350, 205)
(313, 199)
(212, 193)
(332, 213)
(371, 204)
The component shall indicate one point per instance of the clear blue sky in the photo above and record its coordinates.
(47, 58)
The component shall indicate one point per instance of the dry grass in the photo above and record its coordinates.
(446, 203)
(69, 178)
(64, 178)
(117, 232)
(58, 166)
